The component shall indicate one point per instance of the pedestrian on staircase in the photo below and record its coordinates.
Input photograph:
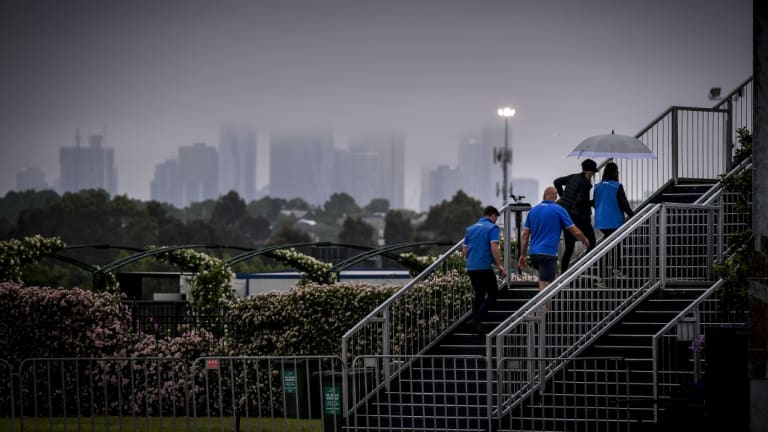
(573, 191)
(610, 206)
(481, 250)
(541, 232)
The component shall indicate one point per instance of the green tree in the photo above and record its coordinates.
(340, 204)
(298, 204)
(14, 202)
(202, 210)
(377, 205)
(288, 234)
(449, 219)
(266, 207)
(356, 231)
(229, 209)
(397, 227)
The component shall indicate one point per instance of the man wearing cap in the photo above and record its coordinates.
(575, 199)
(481, 251)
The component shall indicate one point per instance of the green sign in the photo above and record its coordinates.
(332, 400)
(289, 381)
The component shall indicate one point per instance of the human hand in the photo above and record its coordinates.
(522, 262)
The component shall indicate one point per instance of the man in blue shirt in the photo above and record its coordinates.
(542, 227)
(481, 250)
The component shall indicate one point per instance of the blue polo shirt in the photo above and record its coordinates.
(478, 241)
(545, 222)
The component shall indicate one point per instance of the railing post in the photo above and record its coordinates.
(531, 350)
(655, 377)
(729, 132)
(710, 242)
(542, 349)
(675, 146)
(385, 348)
(652, 234)
(663, 245)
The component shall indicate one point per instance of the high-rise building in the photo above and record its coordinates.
(91, 167)
(166, 184)
(357, 174)
(199, 173)
(439, 184)
(302, 165)
(373, 167)
(31, 178)
(237, 161)
(476, 165)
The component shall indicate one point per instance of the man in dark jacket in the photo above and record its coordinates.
(573, 191)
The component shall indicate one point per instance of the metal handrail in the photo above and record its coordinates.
(407, 287)
(574, 338)
(673, 323)
(382, 316)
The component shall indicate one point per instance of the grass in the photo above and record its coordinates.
(157, 424)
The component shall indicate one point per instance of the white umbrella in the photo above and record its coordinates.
(612, 146)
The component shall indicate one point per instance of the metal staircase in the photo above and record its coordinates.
(593, 351)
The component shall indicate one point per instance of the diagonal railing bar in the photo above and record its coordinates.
(415, 317)
(664, 243)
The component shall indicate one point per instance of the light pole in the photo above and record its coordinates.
(505, 158)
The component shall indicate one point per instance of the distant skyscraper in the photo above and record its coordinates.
(31, 178)
(477, 169)
(439, 184)
(374, 168)
(302, 166)
(91, 167)
(166, 184)
(358, 174)
(237, 162)
(199, 173)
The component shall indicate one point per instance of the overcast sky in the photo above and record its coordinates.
(158, 74)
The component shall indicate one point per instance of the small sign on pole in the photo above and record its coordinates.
(212, 364)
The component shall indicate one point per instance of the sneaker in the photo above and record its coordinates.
(618, 274)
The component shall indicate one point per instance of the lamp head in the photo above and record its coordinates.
(506, 112)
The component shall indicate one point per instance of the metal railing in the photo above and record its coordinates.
(211, 394)
(689, 142)
(260, 393)
(416, 316)
(7, 395)
(103, 394)
(663, 243)
(678, 357)
(586, 394)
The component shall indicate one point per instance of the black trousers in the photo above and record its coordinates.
(486, 291)
(585, 225)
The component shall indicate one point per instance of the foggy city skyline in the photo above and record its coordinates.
(154, 77)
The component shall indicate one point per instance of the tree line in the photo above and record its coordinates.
(93, 217)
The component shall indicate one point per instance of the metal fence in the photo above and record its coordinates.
(585, 394)
(7, 395)
(148, 394)
(103, 394)
(664, 243)
(689, 142)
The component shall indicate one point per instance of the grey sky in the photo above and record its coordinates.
(160, 74)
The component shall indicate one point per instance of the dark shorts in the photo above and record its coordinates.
(546, 265)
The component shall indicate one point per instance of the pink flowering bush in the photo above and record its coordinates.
(51, 322)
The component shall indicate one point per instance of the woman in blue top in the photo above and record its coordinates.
(610, 206)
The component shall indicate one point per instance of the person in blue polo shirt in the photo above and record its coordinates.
(481, 250)
(542, 230)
